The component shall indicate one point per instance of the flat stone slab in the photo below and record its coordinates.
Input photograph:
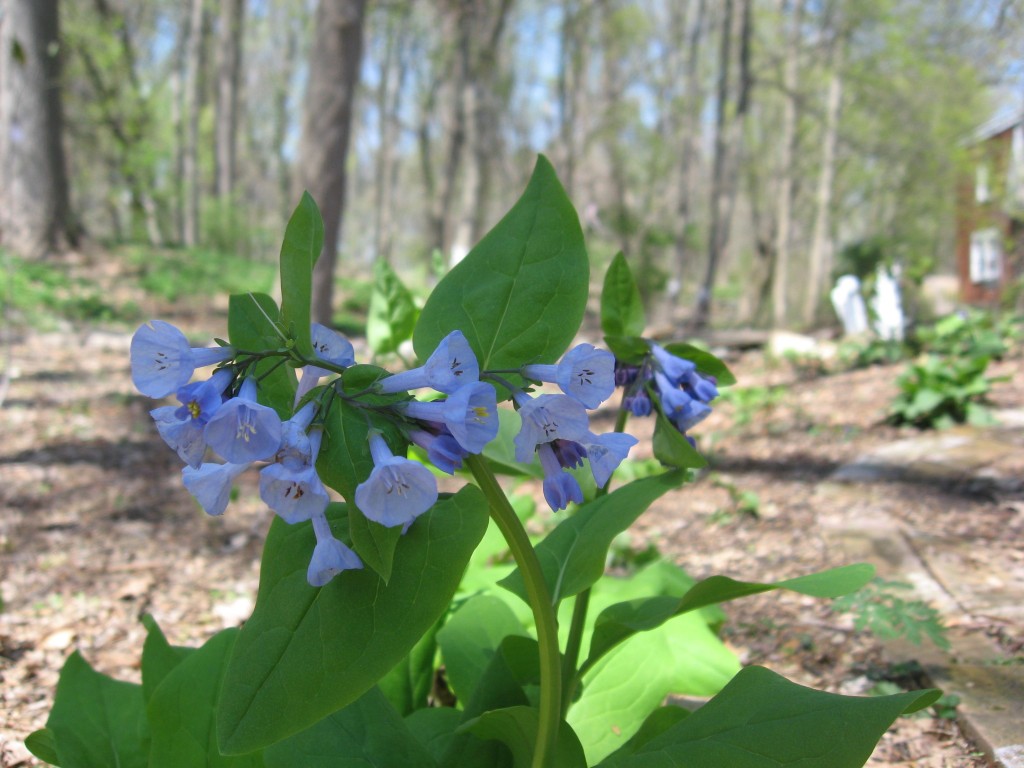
(990, 686)
(962, 454)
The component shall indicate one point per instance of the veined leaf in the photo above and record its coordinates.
(307, 652)
(761, 720)
(622, 309)
(520, 294)
(619, 621)
(303, 241)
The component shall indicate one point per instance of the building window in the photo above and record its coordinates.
(981, 190)
(986, 256)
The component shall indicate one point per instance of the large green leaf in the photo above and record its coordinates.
(158, 657)
(307, 652)
(43, 745)
(620, 621)
(622, 309)
(683, 656)
(345, 461)
(392, 314)
(520, 294)
(303, 241)
(368, 733)
(573, 555)
(516, 728)
(671, 447)
(471, 637)
(253, 327)
(408, 684)
(97, 721)
(761, 720)
(183, 707)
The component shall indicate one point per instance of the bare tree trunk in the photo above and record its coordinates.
(728, 142)
(393, 71)
(334, 64)
(35, 210)
(282, 88)
(229, 66)
(192, 106)
(820, 257)
(486, 110)
(445, 197)
(689, 136)
(787, 153)
(571, 63)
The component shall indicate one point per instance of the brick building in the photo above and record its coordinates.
(990, 212)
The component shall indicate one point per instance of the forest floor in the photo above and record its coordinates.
(96, 530)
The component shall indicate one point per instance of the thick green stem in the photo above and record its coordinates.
(540, 602)
(570, 676)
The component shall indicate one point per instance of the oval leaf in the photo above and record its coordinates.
(762, 720)
(573, 555)
(622, 309)
(303, 241)
(520, 294)
(619, 621)
(308, 652)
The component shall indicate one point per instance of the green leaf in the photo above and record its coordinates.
(367, 733)
(409, 682)
(620, 621)
(252, 327)
(43, 745)
(573, 555)
(520, 294)
(706, 362)
(629, 349)
(471, 637)
(303, 241)
(373, 542)
(516, 727)
(307, 652)
(683, 656)
(659, 721)
(392, 315)
(622, 309)
(182, 710)
(671, 447)
(96, 720)
(761, 720)
(158, 657)
(344, 459)
(434, 728)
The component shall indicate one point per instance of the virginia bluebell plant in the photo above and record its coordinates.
(396, 625)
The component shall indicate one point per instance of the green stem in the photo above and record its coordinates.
(540, 602)
(570, 675)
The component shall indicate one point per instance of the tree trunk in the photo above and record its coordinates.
(445, 196)
(192, 105)
(820, 257)
(327, 120)
(35, 211)
(728, 142)
(229, 66)
(786, 170)
(689, 153)
(393, 71)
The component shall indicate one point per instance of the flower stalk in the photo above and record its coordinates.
(540, 602)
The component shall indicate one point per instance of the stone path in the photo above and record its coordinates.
(975, 593)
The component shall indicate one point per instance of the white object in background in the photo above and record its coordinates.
(887, 306)
(849, 305)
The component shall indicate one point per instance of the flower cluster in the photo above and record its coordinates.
(222, 414)
(683, 393)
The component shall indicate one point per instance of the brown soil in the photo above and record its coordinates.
(96, 530)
